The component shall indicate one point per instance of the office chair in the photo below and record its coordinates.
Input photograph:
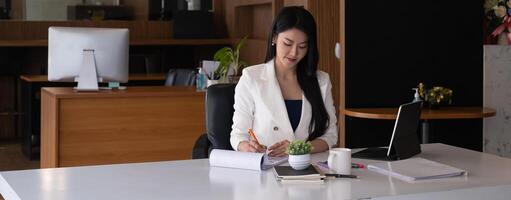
(144, 64)
(219, 112)
(180, 77)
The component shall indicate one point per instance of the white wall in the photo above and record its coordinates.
(497, 95)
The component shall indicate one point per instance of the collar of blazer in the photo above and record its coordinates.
(272, 97)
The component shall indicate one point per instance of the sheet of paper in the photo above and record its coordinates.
(269, 162)
(235, 159)
(209, 67)
(243, 160)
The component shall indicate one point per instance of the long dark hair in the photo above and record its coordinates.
(301, 19)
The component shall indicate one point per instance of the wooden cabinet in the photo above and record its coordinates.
(139, 124)
(251, 18)
(102, 12)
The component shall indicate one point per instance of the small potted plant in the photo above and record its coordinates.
(299, 154)
(230, 58)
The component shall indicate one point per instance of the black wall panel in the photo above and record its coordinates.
(391, 46)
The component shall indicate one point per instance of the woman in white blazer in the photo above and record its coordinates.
(286, 98)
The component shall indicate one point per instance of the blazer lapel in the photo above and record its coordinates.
(272, 98)
(302, 131)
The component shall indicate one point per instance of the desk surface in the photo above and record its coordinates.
(132, 77)
(132, 91)
(441, 113)
(194, 179)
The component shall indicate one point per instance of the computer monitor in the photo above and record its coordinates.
(88, 56)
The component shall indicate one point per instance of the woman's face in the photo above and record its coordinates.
(291, 47)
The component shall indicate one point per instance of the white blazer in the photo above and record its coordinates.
(259, 105)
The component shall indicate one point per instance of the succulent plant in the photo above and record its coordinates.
(299, 147)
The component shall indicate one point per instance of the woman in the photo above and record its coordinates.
(286, 98)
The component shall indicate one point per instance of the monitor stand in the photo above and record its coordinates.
(88, 76)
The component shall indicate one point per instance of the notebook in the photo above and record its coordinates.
(286, 174)
(415, 169)
(243, 160)
(404, 142)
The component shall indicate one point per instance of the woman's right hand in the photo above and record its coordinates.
(251, 146)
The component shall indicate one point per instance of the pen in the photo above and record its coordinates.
(253, 135)
(342, 175)
(353, 165)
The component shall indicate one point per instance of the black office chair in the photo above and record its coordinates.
(219, 111)
(144, 64)
(180, 77)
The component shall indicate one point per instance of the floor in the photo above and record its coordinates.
(11, 157)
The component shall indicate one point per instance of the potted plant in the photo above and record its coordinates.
(230, 58)
(299, 154)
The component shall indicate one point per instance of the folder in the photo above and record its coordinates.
(415, 169)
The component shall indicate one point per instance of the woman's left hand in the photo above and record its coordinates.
(278, 149)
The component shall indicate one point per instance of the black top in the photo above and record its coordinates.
(294, 112)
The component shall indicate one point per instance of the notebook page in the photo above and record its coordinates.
(269, 161)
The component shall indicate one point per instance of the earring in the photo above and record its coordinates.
(272, 44)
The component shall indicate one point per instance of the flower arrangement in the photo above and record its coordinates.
(435, 95)
(498, 16)
(299, 147)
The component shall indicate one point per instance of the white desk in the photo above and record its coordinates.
(194, 179)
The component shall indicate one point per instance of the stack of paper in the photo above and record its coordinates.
(414, 169)
(286, 174)
(243, 160)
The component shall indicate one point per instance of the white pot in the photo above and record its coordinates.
(299, 162)
(213, 82)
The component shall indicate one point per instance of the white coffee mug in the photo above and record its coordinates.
(339, 160)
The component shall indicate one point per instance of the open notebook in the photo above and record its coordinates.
(243, 160)
(415, 169)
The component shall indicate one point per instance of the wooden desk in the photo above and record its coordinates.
(138, 124)
(196, 180)
(442, 113)
(426, 114)
(29, 102)
(132, 77)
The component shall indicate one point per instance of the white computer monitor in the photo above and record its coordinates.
(88, 56)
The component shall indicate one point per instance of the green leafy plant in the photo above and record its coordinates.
(299, 147)
(229, 57)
